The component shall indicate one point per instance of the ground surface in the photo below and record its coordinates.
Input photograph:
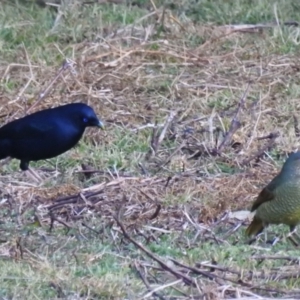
(199, 116)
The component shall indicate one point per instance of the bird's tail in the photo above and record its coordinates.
(255, 227)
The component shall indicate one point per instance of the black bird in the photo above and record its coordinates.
(46, 133)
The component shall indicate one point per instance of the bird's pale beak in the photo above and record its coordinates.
(101, 125)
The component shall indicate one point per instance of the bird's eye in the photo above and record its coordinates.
(85, 120)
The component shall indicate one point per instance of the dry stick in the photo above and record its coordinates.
(161, 288)
(261, 151)
(144, 171)
(116, 62)
(158, 208)
(156, 139)
(238, 282)
(152, 142)
(91, 229)
(19, 246)
(31, 75)
(42, 95)
(66, 65)
(72, 200)
(289, 258)
(176, 273)
(197, 271)
(87, 171)
(220, 268)
(62, 204)
(182, 145)
(159, 280)
(287, 275)
(235, 124)
(145, 281)
(296, 126)
(146, 194)
(154, 6)
(160, 138)
(104, 2)
(53, 218)
(276, 275)
(161, 19)
(215, 276)
(99, 189)
(156, 213)
(232, 230)
(269, 136)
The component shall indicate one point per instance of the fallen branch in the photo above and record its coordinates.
(188, 280)
(296, 126)
(145, 281)
(54, 218)
(234, 125)
(156, 138)
(261, 151)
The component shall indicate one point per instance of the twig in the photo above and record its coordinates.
(73, 199)
(160, 288)
(145, 281)
(163, 132)
(296, 126)
(92, 229)
(19, 246)
(66, 65)
(144, 170)
(232, 230)
(155, 215)
(237, 282)
(261, 151)
(196, 270)
(269, 136)
(220, 268)
(164, 265)
(156, 139)
(235, 124)
(181, 146)
(290, 258)
(54, 218)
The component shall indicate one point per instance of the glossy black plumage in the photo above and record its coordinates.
(46, 133)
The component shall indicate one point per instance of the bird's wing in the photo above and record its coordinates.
(268, 193)
(264, 196)
(28, 130)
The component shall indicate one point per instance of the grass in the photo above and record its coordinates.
(167, 85)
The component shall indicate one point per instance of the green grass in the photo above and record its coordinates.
(240, 12)
(81, 264)
(36, 30)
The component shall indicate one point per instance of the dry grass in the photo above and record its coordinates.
(169, 91)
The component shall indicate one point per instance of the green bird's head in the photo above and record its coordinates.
(292, 164)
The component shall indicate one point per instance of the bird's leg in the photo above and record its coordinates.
(293, 232)
(34, 175)
(272, 241)
(276, 239)
(266, 236)
(257, 236)
(24, 166)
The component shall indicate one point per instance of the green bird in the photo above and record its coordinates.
(279, 201)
